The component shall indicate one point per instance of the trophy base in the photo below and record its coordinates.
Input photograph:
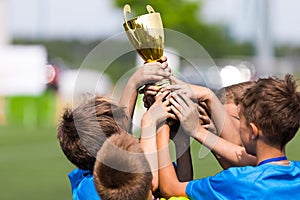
(162, 83)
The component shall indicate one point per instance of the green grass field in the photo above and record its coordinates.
(32, 166)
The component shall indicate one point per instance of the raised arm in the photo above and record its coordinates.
(187, 112)
(155, 115)
(184, 167)
(222, 121)
(148, 73)
(169, 184)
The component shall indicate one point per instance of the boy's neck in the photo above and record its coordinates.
(264, 151)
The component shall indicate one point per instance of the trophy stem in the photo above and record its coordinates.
(162, 83)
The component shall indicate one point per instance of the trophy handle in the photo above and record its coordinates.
(150, 9)
(127, 9)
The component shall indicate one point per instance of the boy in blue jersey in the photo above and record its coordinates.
(269, 115)
(83, 130)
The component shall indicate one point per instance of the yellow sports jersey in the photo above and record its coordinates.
(175, 198)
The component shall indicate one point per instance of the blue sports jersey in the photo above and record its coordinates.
(268, 181)
(82, 183)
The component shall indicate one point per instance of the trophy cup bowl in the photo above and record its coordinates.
(146, 34)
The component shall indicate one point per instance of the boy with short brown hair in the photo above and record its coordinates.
(83, 130)
(122, 170)
(270, 118)
(81, 134)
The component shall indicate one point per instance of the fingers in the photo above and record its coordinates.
(176, 106)
(152, 88)
(157, 68)
(201, 110)
(173, 87)
(142, 90)
(177, 113)
(171, 115)
(161, 95)
(167, 99)
(163, 59)
(175, 80)
(158, 77)
(205, 107)
(183, 106)
(156, 65)
(182, 99)
(168, 70)
(176, 101)
(164, 65)
(151, 93)
(205, 119)
(206, 126)
(203, 115)
(149, 90)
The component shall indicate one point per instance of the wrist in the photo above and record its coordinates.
(199, 134)
(132, 84)
(163, 134)
(148, 126)
(203, 93)
(147, 120)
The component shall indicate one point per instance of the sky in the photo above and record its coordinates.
(88, 19)
(63, 18)
(242, 17)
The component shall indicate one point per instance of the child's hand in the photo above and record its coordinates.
(150, 73)
(195, 92)
(149, 91)
(187, 112)
(160, 110)
(181, 88)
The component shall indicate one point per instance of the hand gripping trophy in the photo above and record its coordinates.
(147, 36)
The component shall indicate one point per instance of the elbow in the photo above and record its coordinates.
(166, 191)
(154, 183)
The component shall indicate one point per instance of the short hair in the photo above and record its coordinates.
(232, 93)
(121, 170)
(274, 106)
(82, 131)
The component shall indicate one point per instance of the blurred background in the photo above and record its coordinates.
(44, 42)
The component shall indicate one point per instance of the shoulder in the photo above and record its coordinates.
(228, 173)
(81, 178)
(79, 174)
(82, 183)
(295, 163)
(236, 172)
(221, 183)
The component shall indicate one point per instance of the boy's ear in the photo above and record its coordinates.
(255, 131)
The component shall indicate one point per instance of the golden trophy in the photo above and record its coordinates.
(146, 35)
